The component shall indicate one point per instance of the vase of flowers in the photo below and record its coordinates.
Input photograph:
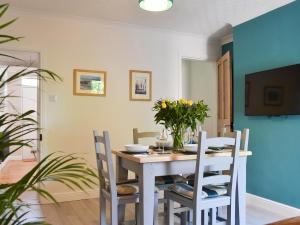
(179, 115)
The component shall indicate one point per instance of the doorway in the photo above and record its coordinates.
(199, 81)
(26, 94)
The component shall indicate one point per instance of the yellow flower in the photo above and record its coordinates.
(163, 105)
(182, 101)
(190, 103)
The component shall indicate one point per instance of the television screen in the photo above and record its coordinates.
(274, 92)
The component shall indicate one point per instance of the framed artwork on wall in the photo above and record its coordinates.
(89, 82)
(140, 85)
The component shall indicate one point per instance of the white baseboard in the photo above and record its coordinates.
(72, 196)
(267, 204)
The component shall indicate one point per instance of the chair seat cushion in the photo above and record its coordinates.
(128, 187)
(191, 178)
(169, 179)
(208, 191)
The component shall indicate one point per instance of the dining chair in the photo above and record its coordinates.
(244, 147)
(162, 182)
(118, 194)
(208, 192)
(244, 138)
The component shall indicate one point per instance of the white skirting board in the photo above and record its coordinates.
(267, 204)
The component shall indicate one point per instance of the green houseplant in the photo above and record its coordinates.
(69, 170)
(179, 115)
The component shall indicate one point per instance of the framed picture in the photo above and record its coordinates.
(273, 96)
(140, 83)
(89, 82)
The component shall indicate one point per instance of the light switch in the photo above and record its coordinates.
(53, 98)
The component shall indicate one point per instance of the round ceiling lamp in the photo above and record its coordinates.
(156, 5)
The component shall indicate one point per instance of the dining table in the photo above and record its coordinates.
(149, 165)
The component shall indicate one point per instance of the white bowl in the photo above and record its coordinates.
(190, 147)
(137, 148)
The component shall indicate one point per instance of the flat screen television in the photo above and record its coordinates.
(273, 92)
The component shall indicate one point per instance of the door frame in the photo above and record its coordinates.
(27, 55)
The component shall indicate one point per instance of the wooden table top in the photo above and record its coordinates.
(153, 156)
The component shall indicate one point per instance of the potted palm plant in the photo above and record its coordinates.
(69, 170)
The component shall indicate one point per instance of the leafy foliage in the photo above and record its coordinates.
(69, 170)
(65, 169)
(178, 115)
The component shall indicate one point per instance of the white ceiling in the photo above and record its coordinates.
(207, 17)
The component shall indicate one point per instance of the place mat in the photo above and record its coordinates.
(135, 153)
(188, 153)
(216, 148)
(155, 148)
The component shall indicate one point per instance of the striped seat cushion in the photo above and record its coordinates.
(208, 191)
(190, 178)
(162, 180)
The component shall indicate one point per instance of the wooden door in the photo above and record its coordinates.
(224, 93)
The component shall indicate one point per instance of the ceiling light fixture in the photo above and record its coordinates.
(156, 5)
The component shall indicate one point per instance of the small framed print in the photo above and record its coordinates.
(140, 85)
(89, 82)
(273, 96)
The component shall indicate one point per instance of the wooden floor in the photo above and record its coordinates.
(86, 212)
(15, 170)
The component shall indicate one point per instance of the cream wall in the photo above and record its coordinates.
(186, 73)
(68, 43)
(199, 82)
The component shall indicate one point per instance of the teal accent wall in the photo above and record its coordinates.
(269, 41)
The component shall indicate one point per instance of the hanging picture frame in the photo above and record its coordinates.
(140, 85)
(89, 82)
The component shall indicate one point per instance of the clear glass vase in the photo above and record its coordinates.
(178, 138)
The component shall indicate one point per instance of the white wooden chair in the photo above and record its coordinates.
(244, 138)
(162, 182)
(119, 194)
(209, 192)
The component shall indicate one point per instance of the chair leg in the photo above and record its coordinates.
(170, 212)
(212, 216)
(155, 213)
(190, 216)
(230, 215)
(183, 218)
(102, 202)
(197, 217)
(121, 213)
(204, 218)
(137, 214)
(114, 213)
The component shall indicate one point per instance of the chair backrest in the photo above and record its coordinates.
(222, 163)
(104, 159)
(244, 138)
(138, 135)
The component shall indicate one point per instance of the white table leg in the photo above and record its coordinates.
(241, 193)
(146, 185)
